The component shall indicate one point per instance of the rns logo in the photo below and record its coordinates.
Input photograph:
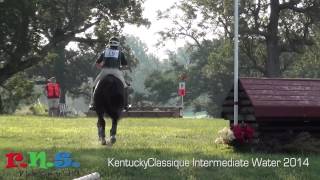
(39, 159)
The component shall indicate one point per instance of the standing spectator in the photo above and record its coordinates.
(52, 91)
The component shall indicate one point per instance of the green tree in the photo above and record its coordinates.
(145, 76)
(162, 83)
(271, 30)
(273, 34)
(17, 91)
(308, 63)
(147, 63)
(73, 69)
(162, 86)
(31, 29)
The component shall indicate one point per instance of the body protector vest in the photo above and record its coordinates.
(53, 90)
(112, 58)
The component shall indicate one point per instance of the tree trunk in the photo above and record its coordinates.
(63, 95)
(273, 59)
(272, 40)
(59, 70)
(1, 106)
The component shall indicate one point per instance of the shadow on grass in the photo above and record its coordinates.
(96, 160)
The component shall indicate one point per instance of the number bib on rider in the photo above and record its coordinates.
(111, 53)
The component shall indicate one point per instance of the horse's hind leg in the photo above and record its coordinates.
(101, 129)
(113, 130)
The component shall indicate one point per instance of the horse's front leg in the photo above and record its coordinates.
(101, 129)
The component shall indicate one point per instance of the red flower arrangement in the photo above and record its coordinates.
(243, 133)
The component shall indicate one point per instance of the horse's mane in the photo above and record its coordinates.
(109, 94)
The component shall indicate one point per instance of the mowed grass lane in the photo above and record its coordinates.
(164, 139)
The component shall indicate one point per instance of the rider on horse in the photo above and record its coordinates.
(111, 60)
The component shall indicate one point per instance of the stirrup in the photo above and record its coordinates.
(92, 107)
(127, 108)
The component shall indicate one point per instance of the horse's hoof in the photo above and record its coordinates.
(103, 141)
(113, 140)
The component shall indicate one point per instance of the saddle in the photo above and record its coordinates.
(114, 72)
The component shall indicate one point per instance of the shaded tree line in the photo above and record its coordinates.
(37, 31)
(278, 38)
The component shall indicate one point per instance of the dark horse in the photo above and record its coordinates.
(109, 100)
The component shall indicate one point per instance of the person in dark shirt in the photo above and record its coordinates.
(111, 61)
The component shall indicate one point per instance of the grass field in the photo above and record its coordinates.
(163, 139)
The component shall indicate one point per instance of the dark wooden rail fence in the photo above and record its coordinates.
(154, 112)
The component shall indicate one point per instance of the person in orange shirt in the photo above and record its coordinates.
(52, 90)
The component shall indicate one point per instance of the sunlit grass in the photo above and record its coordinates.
(164, 139)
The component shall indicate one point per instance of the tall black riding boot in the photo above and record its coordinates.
(92, 105)
(126, 101)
